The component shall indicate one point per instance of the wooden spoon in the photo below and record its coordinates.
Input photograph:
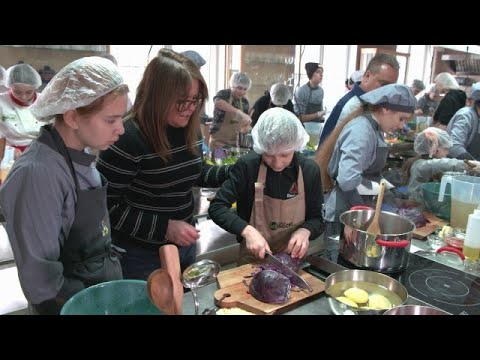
(373, 229)
(160, 291)
(170, 261)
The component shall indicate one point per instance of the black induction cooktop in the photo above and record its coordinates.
(436, 284)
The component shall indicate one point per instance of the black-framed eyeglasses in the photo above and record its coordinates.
(183, 105)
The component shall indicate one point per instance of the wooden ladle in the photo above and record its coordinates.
(160, 291)
(170, 261)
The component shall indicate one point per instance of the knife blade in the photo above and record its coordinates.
(299, 281)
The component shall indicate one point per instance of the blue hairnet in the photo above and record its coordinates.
(278, 130)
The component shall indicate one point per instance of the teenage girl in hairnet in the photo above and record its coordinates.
(432, 146)
(270, 185)
(18, 127)
(354, 155)
(54, 199)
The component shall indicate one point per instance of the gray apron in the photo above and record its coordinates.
(87, 254)
(347, 199)
(313, 108)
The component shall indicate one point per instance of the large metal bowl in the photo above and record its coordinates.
(415, 310)
(394, 291)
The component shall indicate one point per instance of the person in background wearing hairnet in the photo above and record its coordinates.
(356, 77)
(454, 99)
(279, 96)
(432, 146)
(3, 79)
(54, 199)
(230, 114)
(381, 70)
(154, 166)
(417, 87)
(270, 186)
(353, 157)
(464, 129)
(18, 127)
(200, 61)
(427, 104)
(308, 98)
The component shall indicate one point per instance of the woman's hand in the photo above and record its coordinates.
(255, 242)
(298, 244)
(182, 233)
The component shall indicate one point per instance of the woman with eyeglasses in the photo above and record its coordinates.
(153, 167)
(18, 127)
(230, 115)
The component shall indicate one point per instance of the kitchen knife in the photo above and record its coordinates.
(298, 280)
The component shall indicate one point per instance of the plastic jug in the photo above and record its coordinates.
(471, 244)
(465, 197)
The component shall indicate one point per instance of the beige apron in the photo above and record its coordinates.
(275, 219)
(227, 134)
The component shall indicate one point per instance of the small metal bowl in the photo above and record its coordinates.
(415, 310)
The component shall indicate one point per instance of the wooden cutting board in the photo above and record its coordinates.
(231, 282)
(433, 223)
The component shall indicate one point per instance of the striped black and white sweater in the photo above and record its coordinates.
(144, 192)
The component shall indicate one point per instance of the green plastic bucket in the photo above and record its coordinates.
(118, 297)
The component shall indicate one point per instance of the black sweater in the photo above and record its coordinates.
(240, 187)
(144, 192)
(450, 104)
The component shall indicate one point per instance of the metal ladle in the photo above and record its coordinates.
(197, 275)
(160, 291)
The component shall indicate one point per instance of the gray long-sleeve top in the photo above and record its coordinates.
(422, 171)
(354, 152)
(462, 129)
(38, 200)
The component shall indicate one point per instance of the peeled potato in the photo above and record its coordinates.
(377, 301)
(347, 301)
(357, 295)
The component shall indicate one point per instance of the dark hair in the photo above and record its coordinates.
(375, 64)
(407, 167)
(167, 78)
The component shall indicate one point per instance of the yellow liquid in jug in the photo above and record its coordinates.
(459, 213)
(471, 253)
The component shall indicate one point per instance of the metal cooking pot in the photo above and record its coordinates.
(415, 310)
(340, 281)
(392, 246)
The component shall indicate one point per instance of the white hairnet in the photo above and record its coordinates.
(278, 130)
(78, 84)
(280, 94)
(240, 79)
(3, 75)
(430, 140)
(23, 74)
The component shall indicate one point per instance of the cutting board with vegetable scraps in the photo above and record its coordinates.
(433, 223)
(235, 282)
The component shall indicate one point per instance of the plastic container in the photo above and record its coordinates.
(471, 244)
(430, 192)
(118, 297)
(465, 197)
